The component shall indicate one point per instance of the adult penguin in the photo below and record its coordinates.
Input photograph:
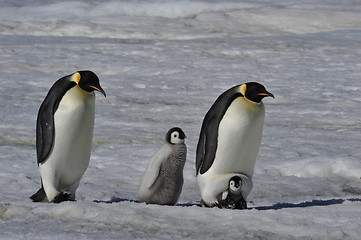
(229, 142)
(64, 133)
(163, 179)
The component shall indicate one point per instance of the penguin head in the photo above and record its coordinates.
(254, 91)
(175, 136)
(88, 81)
(235, 184)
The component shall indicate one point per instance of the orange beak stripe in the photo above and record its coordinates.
(97, 89)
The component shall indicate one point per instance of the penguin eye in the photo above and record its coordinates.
(175, 138)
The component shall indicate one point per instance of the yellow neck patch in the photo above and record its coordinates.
(242, 89)
(76, 77)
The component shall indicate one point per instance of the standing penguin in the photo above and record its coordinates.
(229, 142)
(64, 133)
(163, 179)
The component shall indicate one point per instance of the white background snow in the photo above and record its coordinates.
(162, 64)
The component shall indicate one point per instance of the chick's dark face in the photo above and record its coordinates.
(175, 136)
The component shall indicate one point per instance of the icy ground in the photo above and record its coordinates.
(162, 64)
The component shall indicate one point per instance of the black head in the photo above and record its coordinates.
(175, 136)
(89, 81)
(235, 184)
(254, 91)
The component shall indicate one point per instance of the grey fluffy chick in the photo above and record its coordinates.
(163, 179)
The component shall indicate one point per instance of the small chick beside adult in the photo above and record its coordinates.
(163, 179)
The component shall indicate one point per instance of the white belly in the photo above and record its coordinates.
(74, 125)
(239, 138)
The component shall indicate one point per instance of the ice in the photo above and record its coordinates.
(162, 64)
(176, 19)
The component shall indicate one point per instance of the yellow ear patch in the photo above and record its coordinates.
(243, 89)
(76, 77)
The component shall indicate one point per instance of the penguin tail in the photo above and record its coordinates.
(39, 196)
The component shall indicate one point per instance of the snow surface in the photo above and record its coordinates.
(162, 64)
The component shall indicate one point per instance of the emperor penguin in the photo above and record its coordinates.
(229, 142)
(64, 133)
(163, 178)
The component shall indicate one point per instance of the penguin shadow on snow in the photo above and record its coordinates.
(277, 206)
(313, 203)
(114, 199)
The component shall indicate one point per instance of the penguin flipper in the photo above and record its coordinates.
(44, 134)
(39, 196)
(207, 144)
(200, 151)
(154, 165)
(45, 121)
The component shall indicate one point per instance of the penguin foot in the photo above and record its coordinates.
(229, 204)
(204, 204)
(210, 205)
(39, 196)
(62, 197)
(240, 205)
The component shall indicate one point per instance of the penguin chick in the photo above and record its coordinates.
(163, 178)
(230, 138)
(228, 190)
(232, 198)
(64, 133)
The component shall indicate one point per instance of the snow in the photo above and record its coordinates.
(162, 64)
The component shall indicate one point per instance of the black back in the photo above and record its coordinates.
(207, 143)
(45, 122)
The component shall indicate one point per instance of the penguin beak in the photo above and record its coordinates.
(99, 89)
(267, 94)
